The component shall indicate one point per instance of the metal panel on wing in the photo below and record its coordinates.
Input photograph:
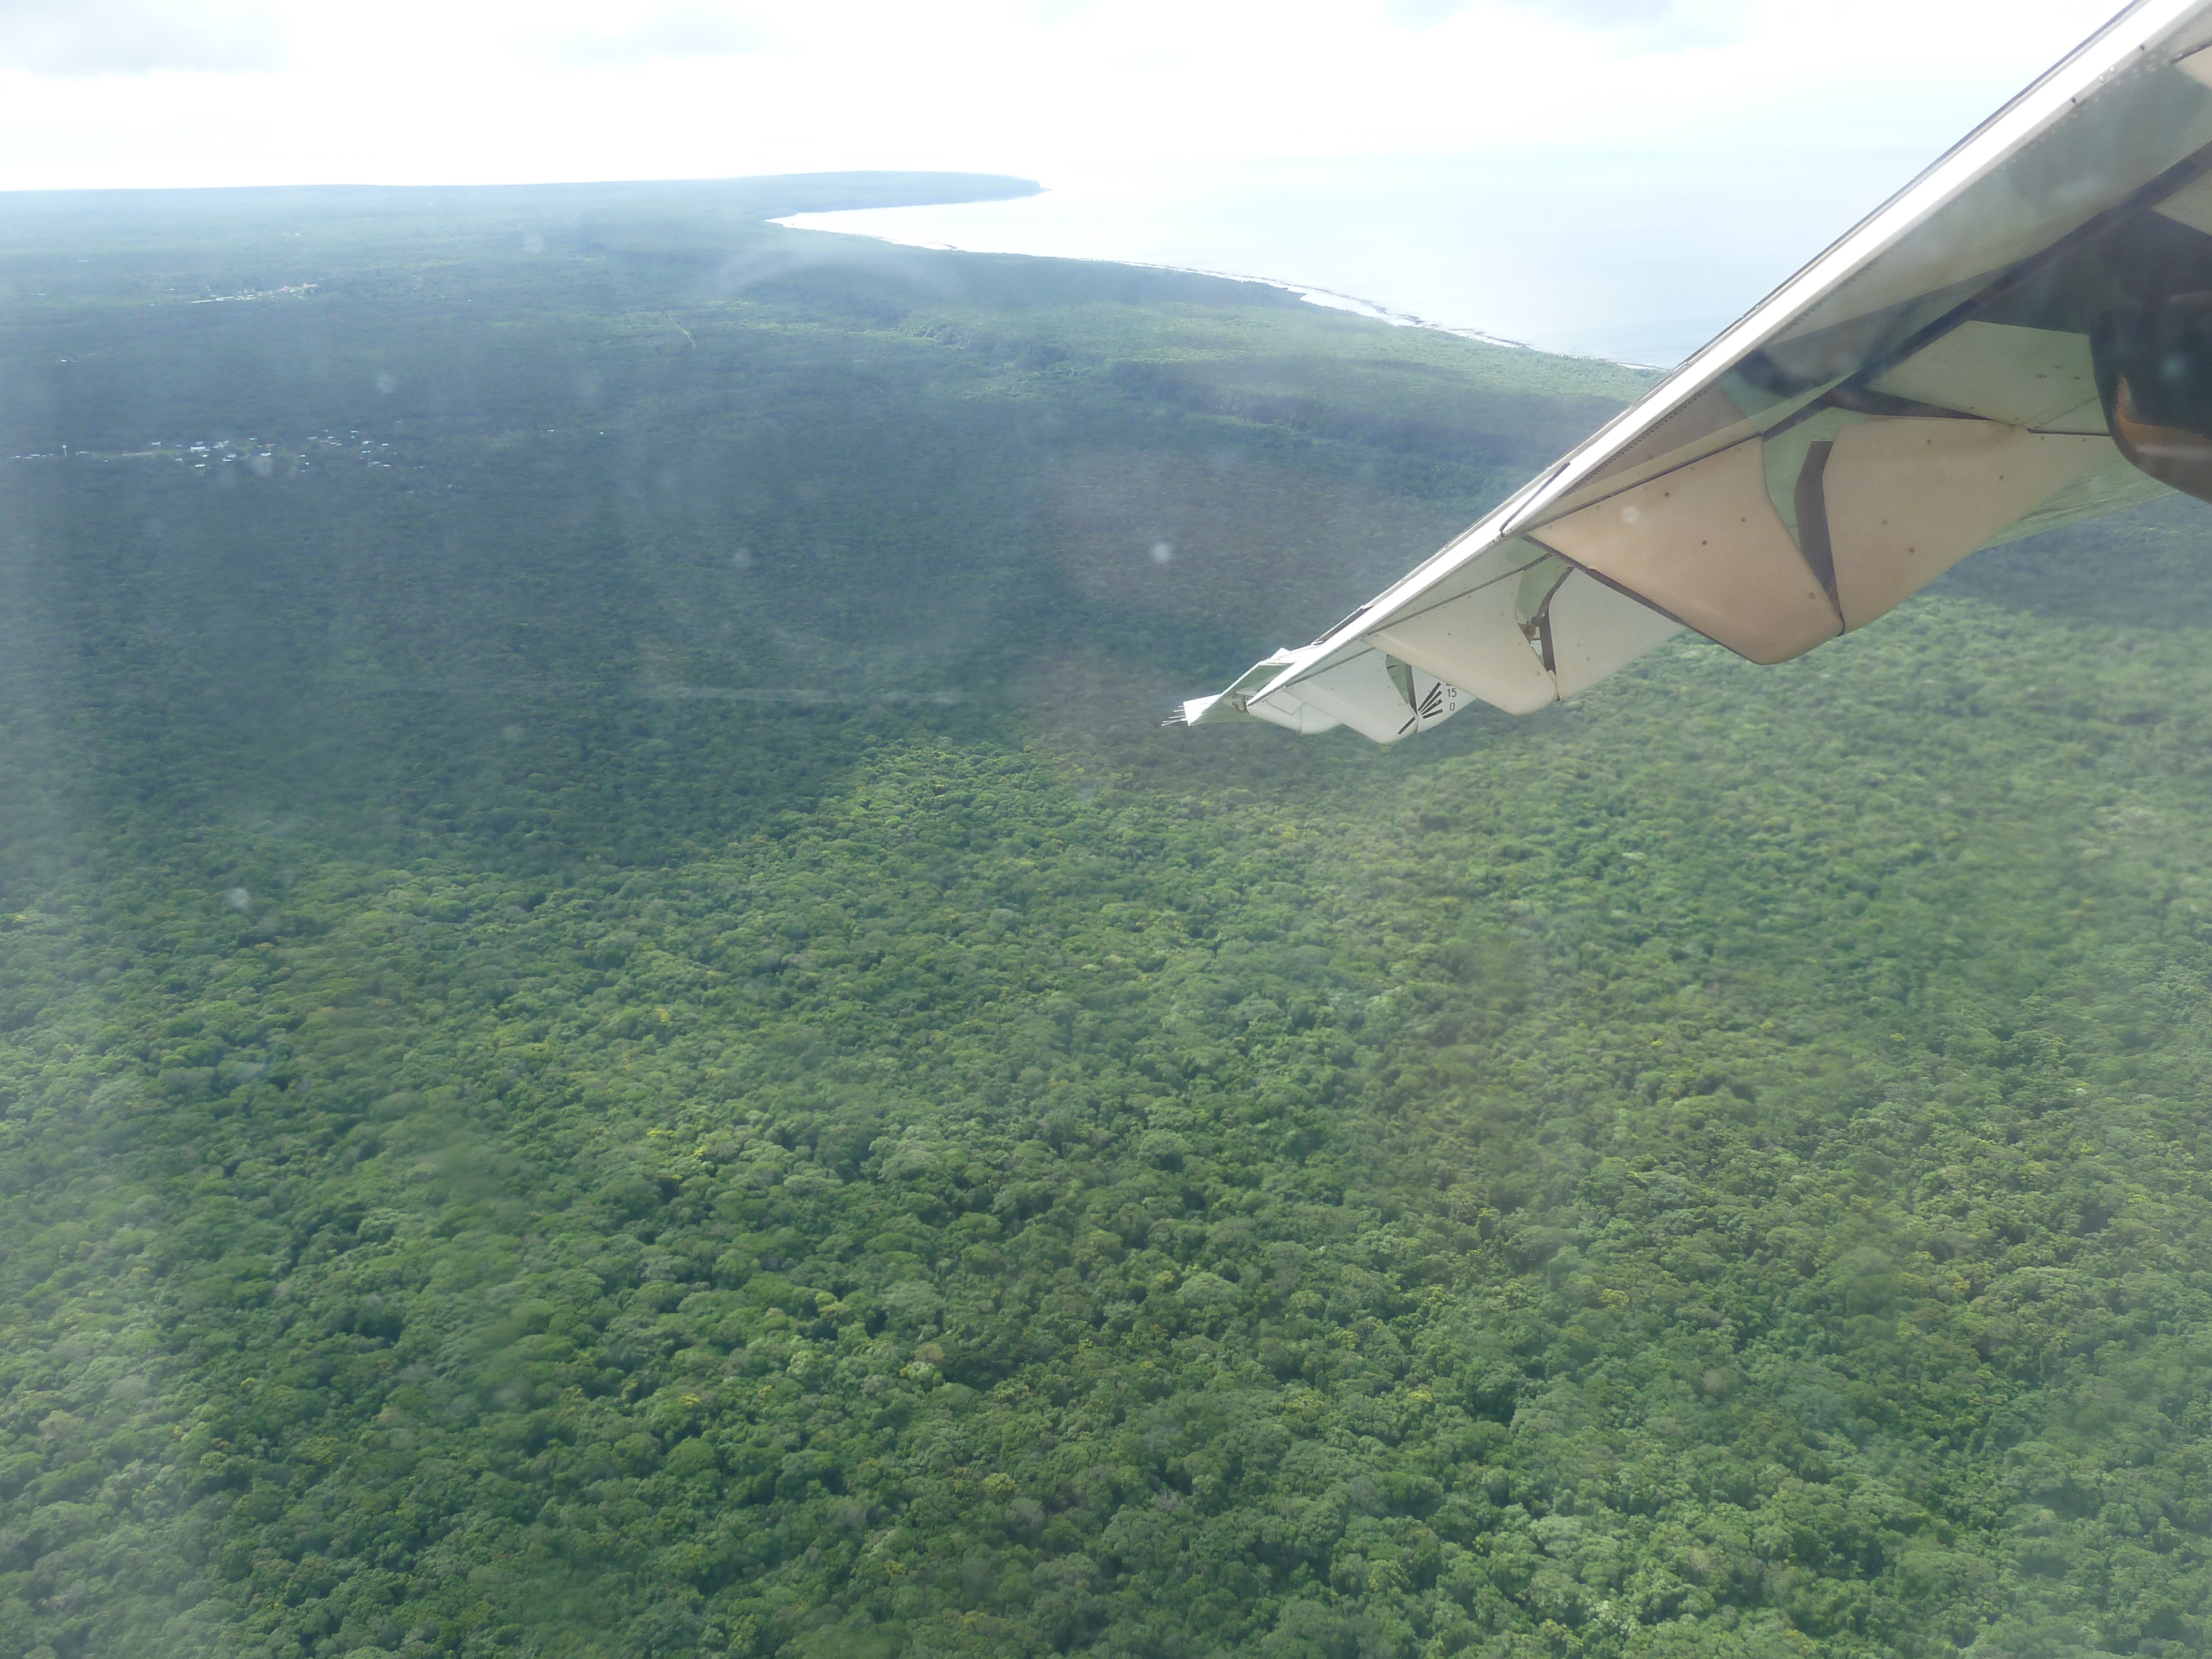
(2022, 376)
(2149, 118)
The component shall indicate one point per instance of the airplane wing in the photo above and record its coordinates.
(2020, 338)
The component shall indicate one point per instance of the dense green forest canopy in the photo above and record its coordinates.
(618, 1037)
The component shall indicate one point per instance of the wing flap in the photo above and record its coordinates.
(1704, 543)
(1481, 640)
(1381, 698)
(1598, 630)
(1907, 500)
(1292, 713)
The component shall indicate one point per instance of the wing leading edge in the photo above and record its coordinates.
(2019, 339)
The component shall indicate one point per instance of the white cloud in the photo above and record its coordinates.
(479, 90)
(71, 40)
(677, 32)
(1641, 25)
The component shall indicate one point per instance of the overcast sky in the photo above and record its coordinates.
(98, 93)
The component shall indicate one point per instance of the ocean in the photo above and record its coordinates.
(1639, 259)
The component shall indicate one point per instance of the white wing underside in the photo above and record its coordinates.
(1923, 389)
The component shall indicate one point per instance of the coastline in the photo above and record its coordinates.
(1312, 294)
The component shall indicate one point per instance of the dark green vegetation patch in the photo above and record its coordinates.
(616, 1038)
